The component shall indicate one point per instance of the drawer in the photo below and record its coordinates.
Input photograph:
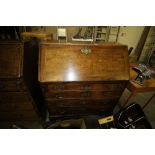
(18, 115)
(12, 85)
(81, 103)
(15, 101)
(79, 111)
(84, 86)
(83, 94)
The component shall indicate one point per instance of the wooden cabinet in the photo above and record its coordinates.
(80, 79)
(20, 96)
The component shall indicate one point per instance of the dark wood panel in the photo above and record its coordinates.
(15, 97)
(19, 88)
(81, 103)
(92, 86)
(65, 111)
(15, 101)
(15, 106)
(84, 94)
(11, 55)
(80, 107)
(18, 115)
(12, 85)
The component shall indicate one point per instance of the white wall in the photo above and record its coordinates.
(130, 35)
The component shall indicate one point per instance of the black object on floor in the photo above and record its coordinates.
(131, 117)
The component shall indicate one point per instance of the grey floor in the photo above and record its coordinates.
(142, 98)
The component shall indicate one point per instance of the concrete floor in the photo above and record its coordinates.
(141, 99)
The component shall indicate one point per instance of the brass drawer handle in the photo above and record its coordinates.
(83, 102)
(62, 112)
(61, 105)
(18, 83)
(85, 94)
(59, 87)
(2, 86)
(86, 50)
(108, 93)
(44, 88)
(86, 88)
(59, 95)
(13, 106)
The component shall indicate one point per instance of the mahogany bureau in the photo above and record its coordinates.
(20, 97)
(82, 79)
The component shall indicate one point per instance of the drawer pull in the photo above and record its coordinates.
(62, 112)
(18, 83)
(59, 87)
(83, 102)
(61, 105)
(59, 95)
(44, 87)
(85, 94)
(86, 50)
(102, 110)
(107, 93)
(86, 88)
(2, 86)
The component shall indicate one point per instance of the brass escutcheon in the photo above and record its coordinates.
(86, 50)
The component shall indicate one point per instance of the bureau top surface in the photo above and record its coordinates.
(69, 62)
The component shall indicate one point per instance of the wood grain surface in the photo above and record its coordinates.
(82, 79)
(67, 63)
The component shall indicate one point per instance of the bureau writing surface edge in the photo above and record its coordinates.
(80, 79)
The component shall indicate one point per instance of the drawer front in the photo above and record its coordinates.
(82, 98)
(80, 107)
(13, 85)
(67, 111)
(18, 115)
(81, 103)
(83, 94)
(15, 101)
(84, 86)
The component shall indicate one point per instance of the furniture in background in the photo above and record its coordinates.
(97, 34)
(113, 33)
(20, 95)
(148, 86)
(106, 33)
(87, 36)
(82, 79)
(147, 43)
(9, 33)
(101, 33)
(38, 35)
(61, 34)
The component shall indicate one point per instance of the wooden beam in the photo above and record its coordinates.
(141, 42)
